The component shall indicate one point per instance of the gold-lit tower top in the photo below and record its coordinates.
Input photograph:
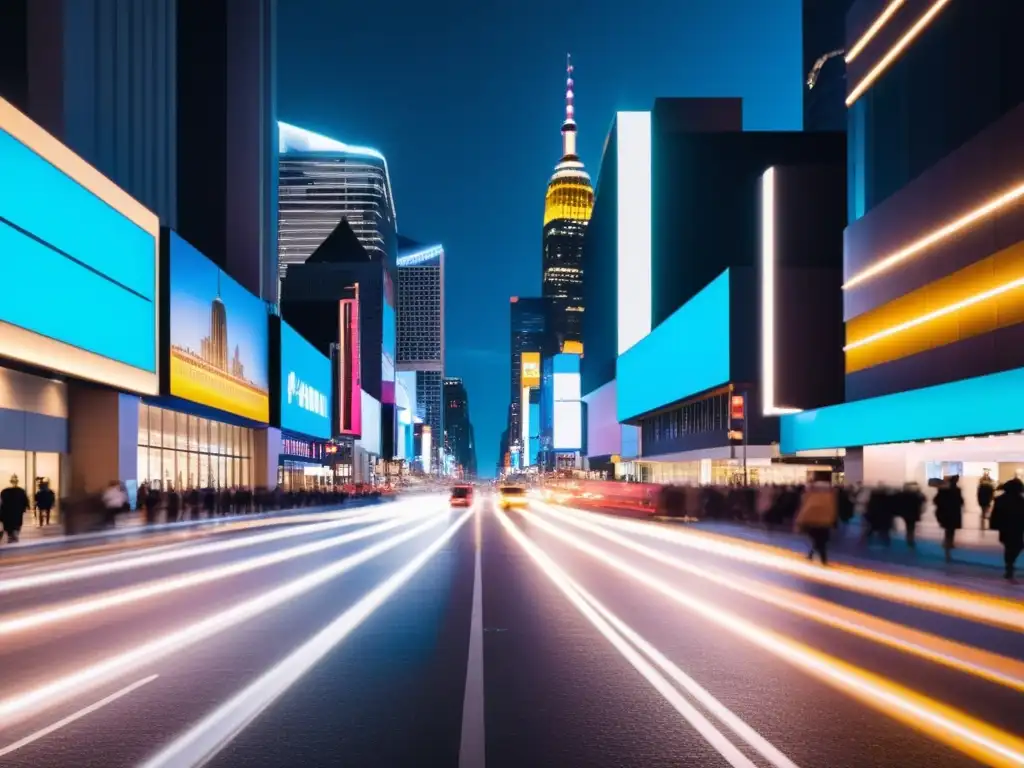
(570, 194)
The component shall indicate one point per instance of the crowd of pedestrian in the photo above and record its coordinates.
(818, 508)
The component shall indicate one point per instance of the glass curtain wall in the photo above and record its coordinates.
(181, 451)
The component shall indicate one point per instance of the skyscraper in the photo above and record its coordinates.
(458, 428)
(323, 181)
(567, 208)
(529, 322)
(421, 327)
(824, 30)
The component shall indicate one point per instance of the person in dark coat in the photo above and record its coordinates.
(949, 511)
(13, 503)
(986, 492)
(45, 499)
(1008, 519)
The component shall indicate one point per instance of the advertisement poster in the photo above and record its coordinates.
(305, 386)
(350, 387)
(389, 343)
(218, 337)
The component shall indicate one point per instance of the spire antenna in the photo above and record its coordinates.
(569, 126)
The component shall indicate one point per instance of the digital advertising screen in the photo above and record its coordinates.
(218, 337)
(305, 386)
(389, 343)
(567, 429)
(530, 369)
(350, 388)
(80, 264)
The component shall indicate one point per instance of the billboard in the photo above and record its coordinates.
(388, 343)
(350, 389)
(686, 354)
(567, 429)
(218, 337)
(305, 386)
(530, 369)
(370, 437)
(79, 258)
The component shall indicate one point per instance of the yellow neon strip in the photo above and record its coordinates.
(873, 30)
(895, 51)
(939, 721)
(942, 312)
(981, 212)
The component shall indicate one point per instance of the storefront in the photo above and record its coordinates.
(726, 466)
(305, 464)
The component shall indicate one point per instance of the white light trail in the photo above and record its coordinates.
(216, 730)
(587, 605)
(113, 599)
(75, 573)
(49, 694)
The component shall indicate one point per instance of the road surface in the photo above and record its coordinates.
(411, 634)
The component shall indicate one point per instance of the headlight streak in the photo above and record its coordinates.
(72, 684)
(74, 573)
(989, 666)
(113, 599)
(941, 722)
(586, 605)
(216, 730)
(940, 598)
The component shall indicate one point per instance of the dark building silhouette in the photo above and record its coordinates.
(458, 427)
(530, 324)
(824, 68)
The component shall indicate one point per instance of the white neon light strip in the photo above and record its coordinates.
(873, 30)
(892, 54)
(419, 257)
(949, 309)
(633, 295)
(983, 211)
(768, 258)
(217, 729)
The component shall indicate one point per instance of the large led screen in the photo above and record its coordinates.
(370, 439)
(568, 409)
(305, 386)
(530, 369)
(686, 354)
(350, 387)
(388, 343)
(218, 337)
(604, 435)
(79, 262)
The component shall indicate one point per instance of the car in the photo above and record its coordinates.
(511, 496)
(462, 496)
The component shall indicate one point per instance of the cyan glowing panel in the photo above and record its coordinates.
(686, 354)
(982, 405)
(77, 270)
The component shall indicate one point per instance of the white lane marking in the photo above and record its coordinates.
(216, 730)
(472, 750)
(115, 598)
(43, 732)
(69, 685)
(47, 578)
(575, 593)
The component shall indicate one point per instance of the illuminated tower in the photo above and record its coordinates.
(567, 208)
(218, 331)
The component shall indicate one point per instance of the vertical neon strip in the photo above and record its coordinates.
(524, 432)
(633, 295)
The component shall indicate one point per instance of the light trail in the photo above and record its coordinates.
(963, 658)
(74, 683)
(116, 598)
(950, 600)
(598, 617)
(216, 730)
(75, 573)
(44, 732)
(957, 729)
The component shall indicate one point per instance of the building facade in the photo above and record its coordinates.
(824, 67)
(529, 322)
(323, 181)
(933, 248)
(567, 208)
(458, 427)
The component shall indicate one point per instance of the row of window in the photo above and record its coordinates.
(710, 414)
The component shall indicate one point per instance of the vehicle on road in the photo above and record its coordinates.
(511, 496)
(462, 496)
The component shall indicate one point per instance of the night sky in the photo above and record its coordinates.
(465, 99)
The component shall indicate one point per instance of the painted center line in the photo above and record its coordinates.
(471, 747)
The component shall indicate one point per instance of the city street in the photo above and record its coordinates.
(412, 634)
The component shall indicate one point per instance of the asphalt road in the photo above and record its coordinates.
(411, 634)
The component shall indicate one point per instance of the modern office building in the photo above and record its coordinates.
(529, 323)
(561, 436)
(824, 67)
(421, 328)
(934, 248)
(458, 427)
(720, 279)
(324, 181)
(567, 207)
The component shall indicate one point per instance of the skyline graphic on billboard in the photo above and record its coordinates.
(218, 337)
(350, 382)
(305, 386)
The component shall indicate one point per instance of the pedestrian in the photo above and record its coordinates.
(13, 504)
(114, 501)
(817, 517)
(949, 511)
(1008, 519)
(910, 500)
(45, 499)
(986, 492)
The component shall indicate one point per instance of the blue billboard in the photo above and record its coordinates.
(305, 386)
(79, 257)
(686, 354)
